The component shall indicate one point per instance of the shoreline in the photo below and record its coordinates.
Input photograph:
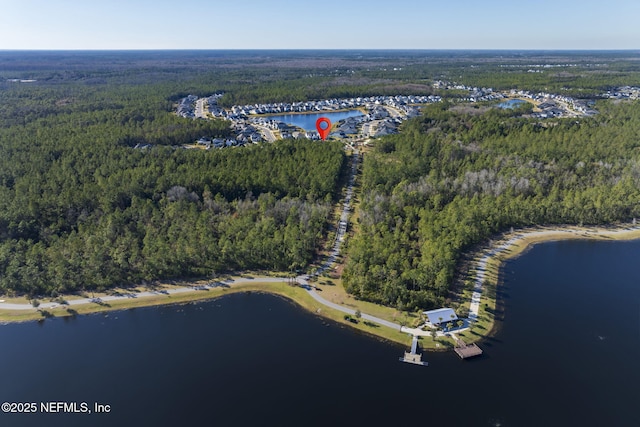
(362, 109)
(187, 292)
(482, 300)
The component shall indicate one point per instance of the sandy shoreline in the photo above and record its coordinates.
(188, 292)
(485, 273)
(513, 244)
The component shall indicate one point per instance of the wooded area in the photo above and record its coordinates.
(451, 180)
(80, 208)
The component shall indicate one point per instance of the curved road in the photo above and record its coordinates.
(566, 233)
(335, 251)
(81, 301)
(303, 280)
(480, 271)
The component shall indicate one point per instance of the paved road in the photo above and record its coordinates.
(351, 311)
(303, 280)
(266, 132)
(344, 216)
(200, 113)
(393, 112)
(186, 289)
(335, 251)
(569, 232)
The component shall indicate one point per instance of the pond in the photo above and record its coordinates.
(307, 121)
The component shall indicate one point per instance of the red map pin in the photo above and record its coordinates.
(324, 127)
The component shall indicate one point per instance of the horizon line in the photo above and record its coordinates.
(314, 49)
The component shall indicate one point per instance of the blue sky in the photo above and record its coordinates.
(328, 24)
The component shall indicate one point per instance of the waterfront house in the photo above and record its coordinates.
(440, 316)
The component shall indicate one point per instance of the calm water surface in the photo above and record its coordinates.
(511, 104)
(308, 121)
(565, 355)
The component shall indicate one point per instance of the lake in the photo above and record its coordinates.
(307, 121)
(566, 354)
(511, 104)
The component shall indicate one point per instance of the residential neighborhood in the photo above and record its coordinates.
(186, 107)
(252, 123)
(332, 104)
(625, 92)
(547, 105)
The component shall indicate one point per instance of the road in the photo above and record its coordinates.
(335, 251)
(393, 112)
(200, 110)
(367, 129)
(344, 216)
(568, 110)
(186, 289)
(351, 311)
(555, 233)
(303, 280)
(333, 255)
(266, 132)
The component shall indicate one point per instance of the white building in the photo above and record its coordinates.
(437, 317)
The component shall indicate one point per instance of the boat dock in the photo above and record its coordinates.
(466, 351)
(413, 357)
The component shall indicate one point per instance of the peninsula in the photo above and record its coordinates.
(403, 210)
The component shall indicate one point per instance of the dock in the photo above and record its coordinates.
(413, 356)
(466, 351)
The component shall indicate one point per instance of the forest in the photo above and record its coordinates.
(81, 209)
(73, 218)
(451, 179)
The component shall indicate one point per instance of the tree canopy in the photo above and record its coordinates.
(80, 208)
(450, 180)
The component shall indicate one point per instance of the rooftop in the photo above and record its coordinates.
(440, 315)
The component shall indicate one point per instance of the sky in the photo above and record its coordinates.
(328, 24)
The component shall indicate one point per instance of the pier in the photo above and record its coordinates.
(466, 351)
(413, 356)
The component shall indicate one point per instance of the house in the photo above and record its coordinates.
(546, 105)
(312, 135)
(384, 128)
(436, 318)
(204, 141)
(348, 127)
